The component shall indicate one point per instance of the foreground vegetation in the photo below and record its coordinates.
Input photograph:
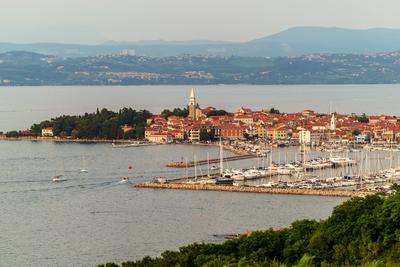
(360, 232)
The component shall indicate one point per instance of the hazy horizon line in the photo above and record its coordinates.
(196, 40)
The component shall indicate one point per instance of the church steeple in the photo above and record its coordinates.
(192, 98)
(192, 105)
(333, 123)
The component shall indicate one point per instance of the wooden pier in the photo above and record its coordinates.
(184, 164)
(253, 189)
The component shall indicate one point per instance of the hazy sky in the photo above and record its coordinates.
(94, 21)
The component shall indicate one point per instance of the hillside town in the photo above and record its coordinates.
(307, 127)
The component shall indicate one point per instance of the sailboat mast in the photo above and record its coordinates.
(187, 170)
(221, 155)
(208, 164)
(195, 167)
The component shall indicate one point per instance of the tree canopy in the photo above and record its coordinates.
(175, 112)
(104, 123)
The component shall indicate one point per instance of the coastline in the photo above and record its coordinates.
(67, 140)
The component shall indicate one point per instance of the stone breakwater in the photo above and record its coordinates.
(253, 189)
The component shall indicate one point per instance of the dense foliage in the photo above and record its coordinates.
(360, 232)
(217, 112)
(274, 111)
(175, 112)
(104, 124)
(363, 118)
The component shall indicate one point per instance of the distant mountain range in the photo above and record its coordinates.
(292, 42)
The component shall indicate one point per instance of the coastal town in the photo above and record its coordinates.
(197, 124)
(307, 127)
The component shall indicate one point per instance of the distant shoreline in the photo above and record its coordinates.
(67, 140)
(193, 84)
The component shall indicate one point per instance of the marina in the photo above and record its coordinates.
(340, 171)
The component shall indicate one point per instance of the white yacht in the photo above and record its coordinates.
(252, 174)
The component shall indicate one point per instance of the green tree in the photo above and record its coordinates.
(207, 135)
(363, 118)
(217, 113)
(274, 111)
(12, 134)
(356, 132)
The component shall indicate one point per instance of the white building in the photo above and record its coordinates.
(305, 137)
(47, 132)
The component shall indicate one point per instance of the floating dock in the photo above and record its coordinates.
(253, 189)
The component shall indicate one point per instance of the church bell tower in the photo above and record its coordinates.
(192, 106)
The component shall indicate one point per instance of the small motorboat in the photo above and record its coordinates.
(57, 178)
(84, 171)
(213, 168)
(125, 180)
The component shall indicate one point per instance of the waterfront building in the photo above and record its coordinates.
(305, 137)
(262, 131)
(159, 138)
(231, 131)
(278, 133)
(194, 135)
(47, 132)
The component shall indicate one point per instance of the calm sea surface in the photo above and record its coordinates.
(92, 218)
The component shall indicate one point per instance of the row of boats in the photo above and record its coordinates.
(347, 149)
(380, 181)
(292, 169)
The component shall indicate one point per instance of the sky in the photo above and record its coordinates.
(96, 21)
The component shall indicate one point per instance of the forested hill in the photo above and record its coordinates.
(360, 232)
(25, 68)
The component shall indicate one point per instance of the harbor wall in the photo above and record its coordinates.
(252, 189)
